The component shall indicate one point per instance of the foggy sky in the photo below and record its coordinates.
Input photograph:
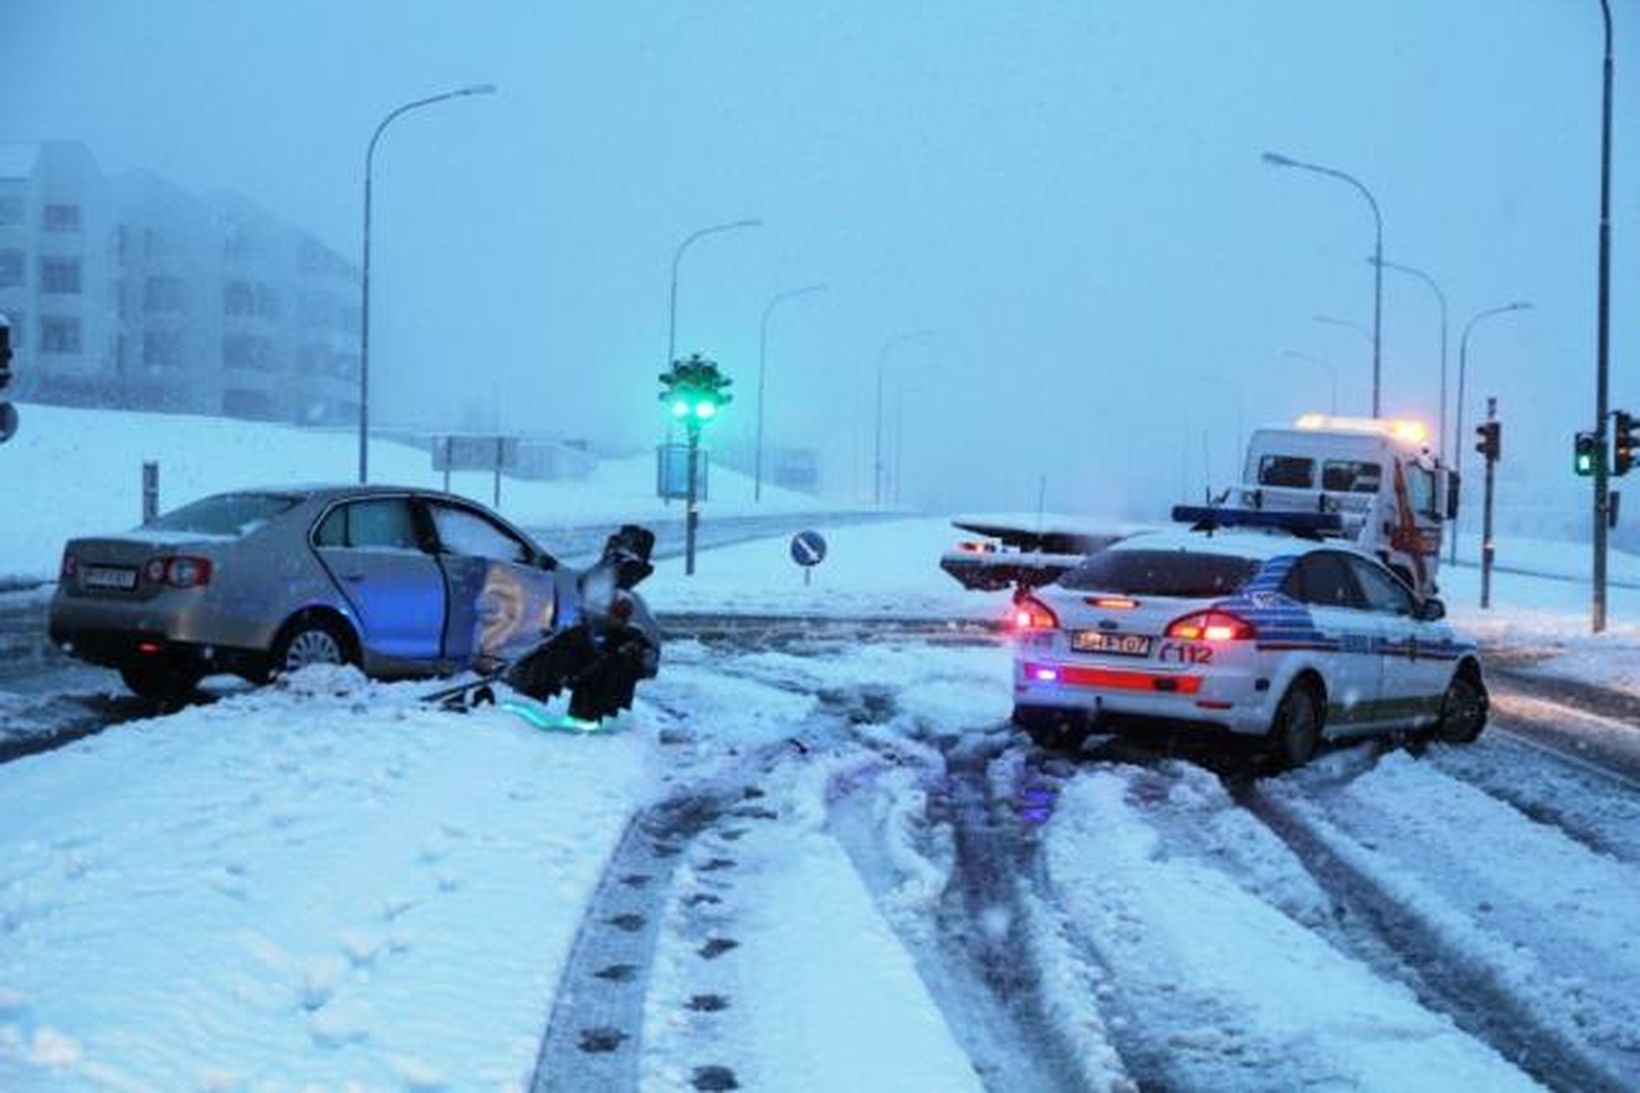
(1069, 196)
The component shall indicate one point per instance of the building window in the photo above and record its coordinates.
(161, 349)
(60, 276)
(11, 268)
(62, 218)
(238, 298)
(59, 335)
(247, 352)
(11, 210)
(162, 294)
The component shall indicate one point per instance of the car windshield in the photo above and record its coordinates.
(1185, 573)
(232, 514)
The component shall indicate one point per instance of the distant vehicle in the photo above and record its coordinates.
(400, 582)
(1393, 494)
(1256, 634)
(1020, 554)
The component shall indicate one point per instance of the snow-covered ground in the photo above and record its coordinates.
(79, 472)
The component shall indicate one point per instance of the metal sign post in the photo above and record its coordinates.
(808, 550)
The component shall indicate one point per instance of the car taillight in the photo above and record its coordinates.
(1031, 613)
(1212, 626)
(179, 572)
(70, 566)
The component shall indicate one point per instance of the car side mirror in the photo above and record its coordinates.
(1432, 609)
(1454, 484)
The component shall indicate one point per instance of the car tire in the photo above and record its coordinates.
(310, 639)
(162, 683)
(1463, 710)
(1295, 732)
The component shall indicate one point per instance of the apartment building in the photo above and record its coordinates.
(128, 291)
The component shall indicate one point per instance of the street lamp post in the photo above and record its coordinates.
(1602, 395)
(1457, 425)
(1348, 324)
(1332, 374)
(1275, 160)
(762, 361)
(677, 256)
(877, 458)
(364, 335)
(1440, 428)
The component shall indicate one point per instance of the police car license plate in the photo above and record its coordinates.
(97, 576)
(1098, 641)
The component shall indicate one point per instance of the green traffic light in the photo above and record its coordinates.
(680, 408)
(705, 410)
(1585, 464)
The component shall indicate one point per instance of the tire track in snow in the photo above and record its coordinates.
(1445, 977)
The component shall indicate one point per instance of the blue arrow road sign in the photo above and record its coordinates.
(808, 548)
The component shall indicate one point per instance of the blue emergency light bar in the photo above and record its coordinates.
(1209, 518)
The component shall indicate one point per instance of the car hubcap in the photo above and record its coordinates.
(312, 647)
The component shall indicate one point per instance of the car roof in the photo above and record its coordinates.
(326, 491)
(1237, 542)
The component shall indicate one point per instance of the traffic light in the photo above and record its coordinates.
(8, 412)
(695, 390)
(1490, 444)
(1586, 449)
(1624, 441)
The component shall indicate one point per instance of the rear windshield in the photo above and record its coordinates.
(1162, 573)
(225, 514)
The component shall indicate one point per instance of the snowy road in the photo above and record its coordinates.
(812, 858)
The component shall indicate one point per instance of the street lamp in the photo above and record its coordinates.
(762, 360)
(1440, 428)
(677, 256)
(1275, 160)
(1457, 425)
(1347, 324)
(1332, 374)
(877, 460)
(364, 335)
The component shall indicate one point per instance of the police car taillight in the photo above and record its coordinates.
(1212, 626)
(1031, 613)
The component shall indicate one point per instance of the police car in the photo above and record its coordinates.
(1240, 625)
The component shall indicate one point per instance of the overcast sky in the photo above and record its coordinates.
(1068, 196)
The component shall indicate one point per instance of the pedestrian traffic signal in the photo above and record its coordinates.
(1490, 444)
(1586, 449)
(1624, 442)
(695, 390)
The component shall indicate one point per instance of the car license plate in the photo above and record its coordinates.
(98, 576)
(1122, 645)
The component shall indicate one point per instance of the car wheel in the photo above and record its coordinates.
(312, 640)
(1463, 710)
(159, 682)
(1296, 731)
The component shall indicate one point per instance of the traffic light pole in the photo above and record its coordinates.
(1487, 548)
(691, 518)
(1602, 358)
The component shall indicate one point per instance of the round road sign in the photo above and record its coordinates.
(808, 548)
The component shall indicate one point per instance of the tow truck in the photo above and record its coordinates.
(1376, 481)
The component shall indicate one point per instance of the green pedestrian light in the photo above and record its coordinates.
(1586, 449)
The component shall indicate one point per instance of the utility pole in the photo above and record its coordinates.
(1602, 399)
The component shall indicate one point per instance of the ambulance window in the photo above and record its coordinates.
(1292, 471)
(1421, 492)
(1350, 476)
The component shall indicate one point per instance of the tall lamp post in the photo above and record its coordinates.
(1275, 160)
(877, 457)
(364, 335)
(1332, 374)
(1440, 428)
(1348, 324)
(677, 256)
(1602, 395)
(1457, 425)
(762, 361)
